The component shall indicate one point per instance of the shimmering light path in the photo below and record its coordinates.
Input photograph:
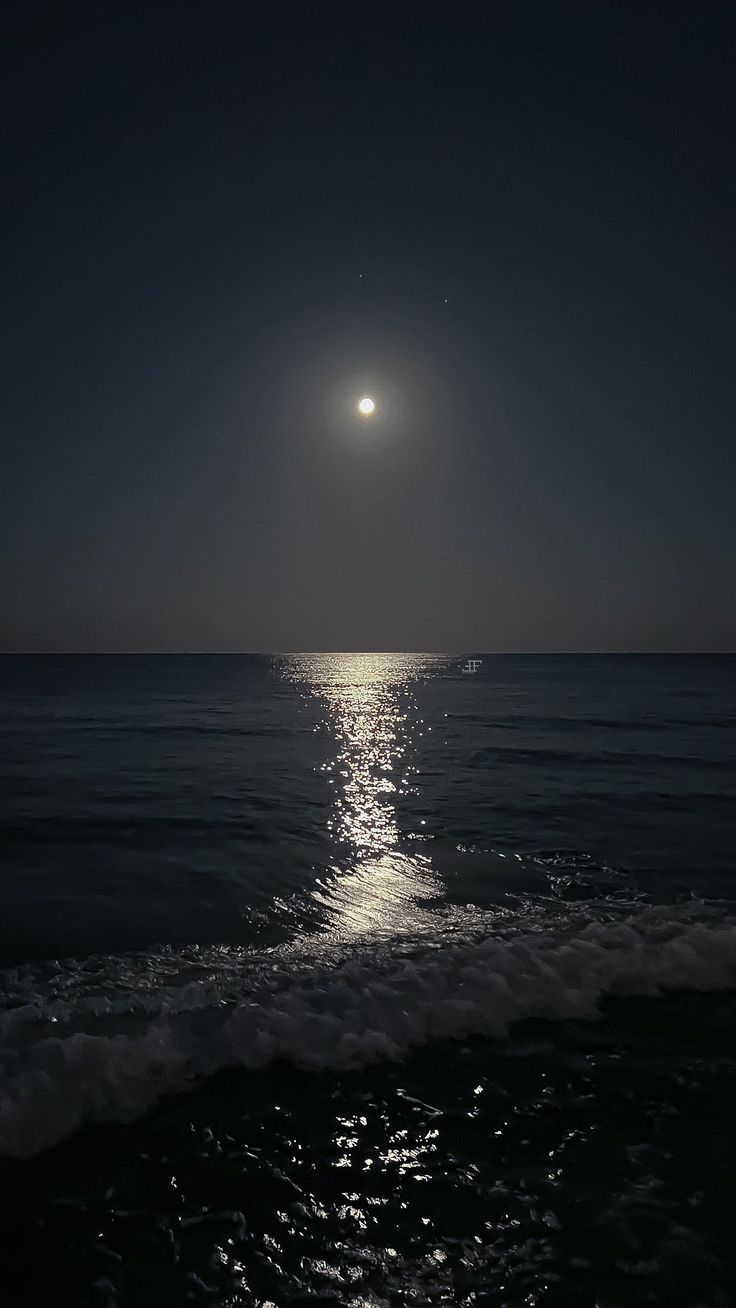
(367, 716)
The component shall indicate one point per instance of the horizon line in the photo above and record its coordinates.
(457, 653)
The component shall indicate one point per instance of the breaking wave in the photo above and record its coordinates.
(104, 1040)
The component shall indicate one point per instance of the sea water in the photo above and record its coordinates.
(357, 980)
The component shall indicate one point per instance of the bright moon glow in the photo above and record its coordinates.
(366, 405)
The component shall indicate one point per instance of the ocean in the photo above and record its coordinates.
(353, 980)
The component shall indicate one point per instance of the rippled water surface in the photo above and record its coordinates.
(355, 980)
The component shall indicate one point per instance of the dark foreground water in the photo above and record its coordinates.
(352, 980)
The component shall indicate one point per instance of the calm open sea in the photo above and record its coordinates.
(354, 980)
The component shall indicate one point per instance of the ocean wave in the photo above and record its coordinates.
(107, 1039)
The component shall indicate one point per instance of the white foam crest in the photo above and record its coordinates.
(369, 1007)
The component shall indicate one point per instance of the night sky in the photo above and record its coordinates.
(511, 224)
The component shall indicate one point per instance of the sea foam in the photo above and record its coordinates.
(86, 1043)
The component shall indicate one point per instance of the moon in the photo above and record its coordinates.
(366, 406)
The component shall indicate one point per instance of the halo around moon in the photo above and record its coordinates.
(366, 406)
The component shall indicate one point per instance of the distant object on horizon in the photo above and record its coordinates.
(472, 665)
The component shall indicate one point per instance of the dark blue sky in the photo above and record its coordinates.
(513, 224)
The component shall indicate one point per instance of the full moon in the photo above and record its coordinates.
(366, 406)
